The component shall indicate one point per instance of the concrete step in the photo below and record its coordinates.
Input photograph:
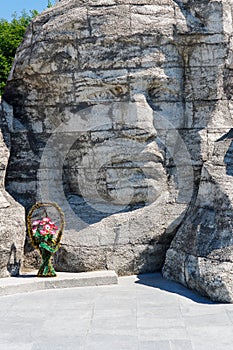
(29, 282)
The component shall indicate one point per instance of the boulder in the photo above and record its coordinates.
(200, 255)
(12, 214)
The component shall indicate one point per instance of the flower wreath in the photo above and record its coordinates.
(45, 236)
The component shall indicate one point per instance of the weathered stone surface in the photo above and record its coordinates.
(90, 84)
(200, 255)
(12, 225)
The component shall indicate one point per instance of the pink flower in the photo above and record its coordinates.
(36, 223)
(44, 226)
(46, 220)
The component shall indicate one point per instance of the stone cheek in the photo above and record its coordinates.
(12, 225)
(3, 161)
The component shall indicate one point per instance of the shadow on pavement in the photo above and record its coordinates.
(156, 280)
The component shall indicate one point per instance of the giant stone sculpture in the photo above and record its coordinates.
(122, 112)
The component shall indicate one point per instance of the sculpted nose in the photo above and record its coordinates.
(144, 116)
(139, 98)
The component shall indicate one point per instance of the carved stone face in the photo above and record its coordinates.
(100, 79)
(103, 68)
(119, 162)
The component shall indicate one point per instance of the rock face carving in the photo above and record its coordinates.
(200, 255)
(12, 226)
(90, 84)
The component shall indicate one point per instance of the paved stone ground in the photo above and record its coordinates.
(140, 313)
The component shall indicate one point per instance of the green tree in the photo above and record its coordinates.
(49, 4)
(11, 34)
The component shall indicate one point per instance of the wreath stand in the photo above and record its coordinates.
(46, 249)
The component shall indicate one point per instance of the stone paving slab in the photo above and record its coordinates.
(29, 282)
(144, 312)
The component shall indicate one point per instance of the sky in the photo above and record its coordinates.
(8, 7)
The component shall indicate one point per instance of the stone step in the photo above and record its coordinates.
(29, 282)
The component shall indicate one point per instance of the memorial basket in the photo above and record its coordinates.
(44, 234)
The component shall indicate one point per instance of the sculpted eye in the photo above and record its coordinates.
(155, 90)
(118, 90)
(107, 93)
(166, 88)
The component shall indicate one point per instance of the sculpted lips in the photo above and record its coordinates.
(141, 177)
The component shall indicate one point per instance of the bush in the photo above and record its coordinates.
(11, 34)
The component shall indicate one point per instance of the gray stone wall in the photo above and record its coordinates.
(12, 224)
(200, 255)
